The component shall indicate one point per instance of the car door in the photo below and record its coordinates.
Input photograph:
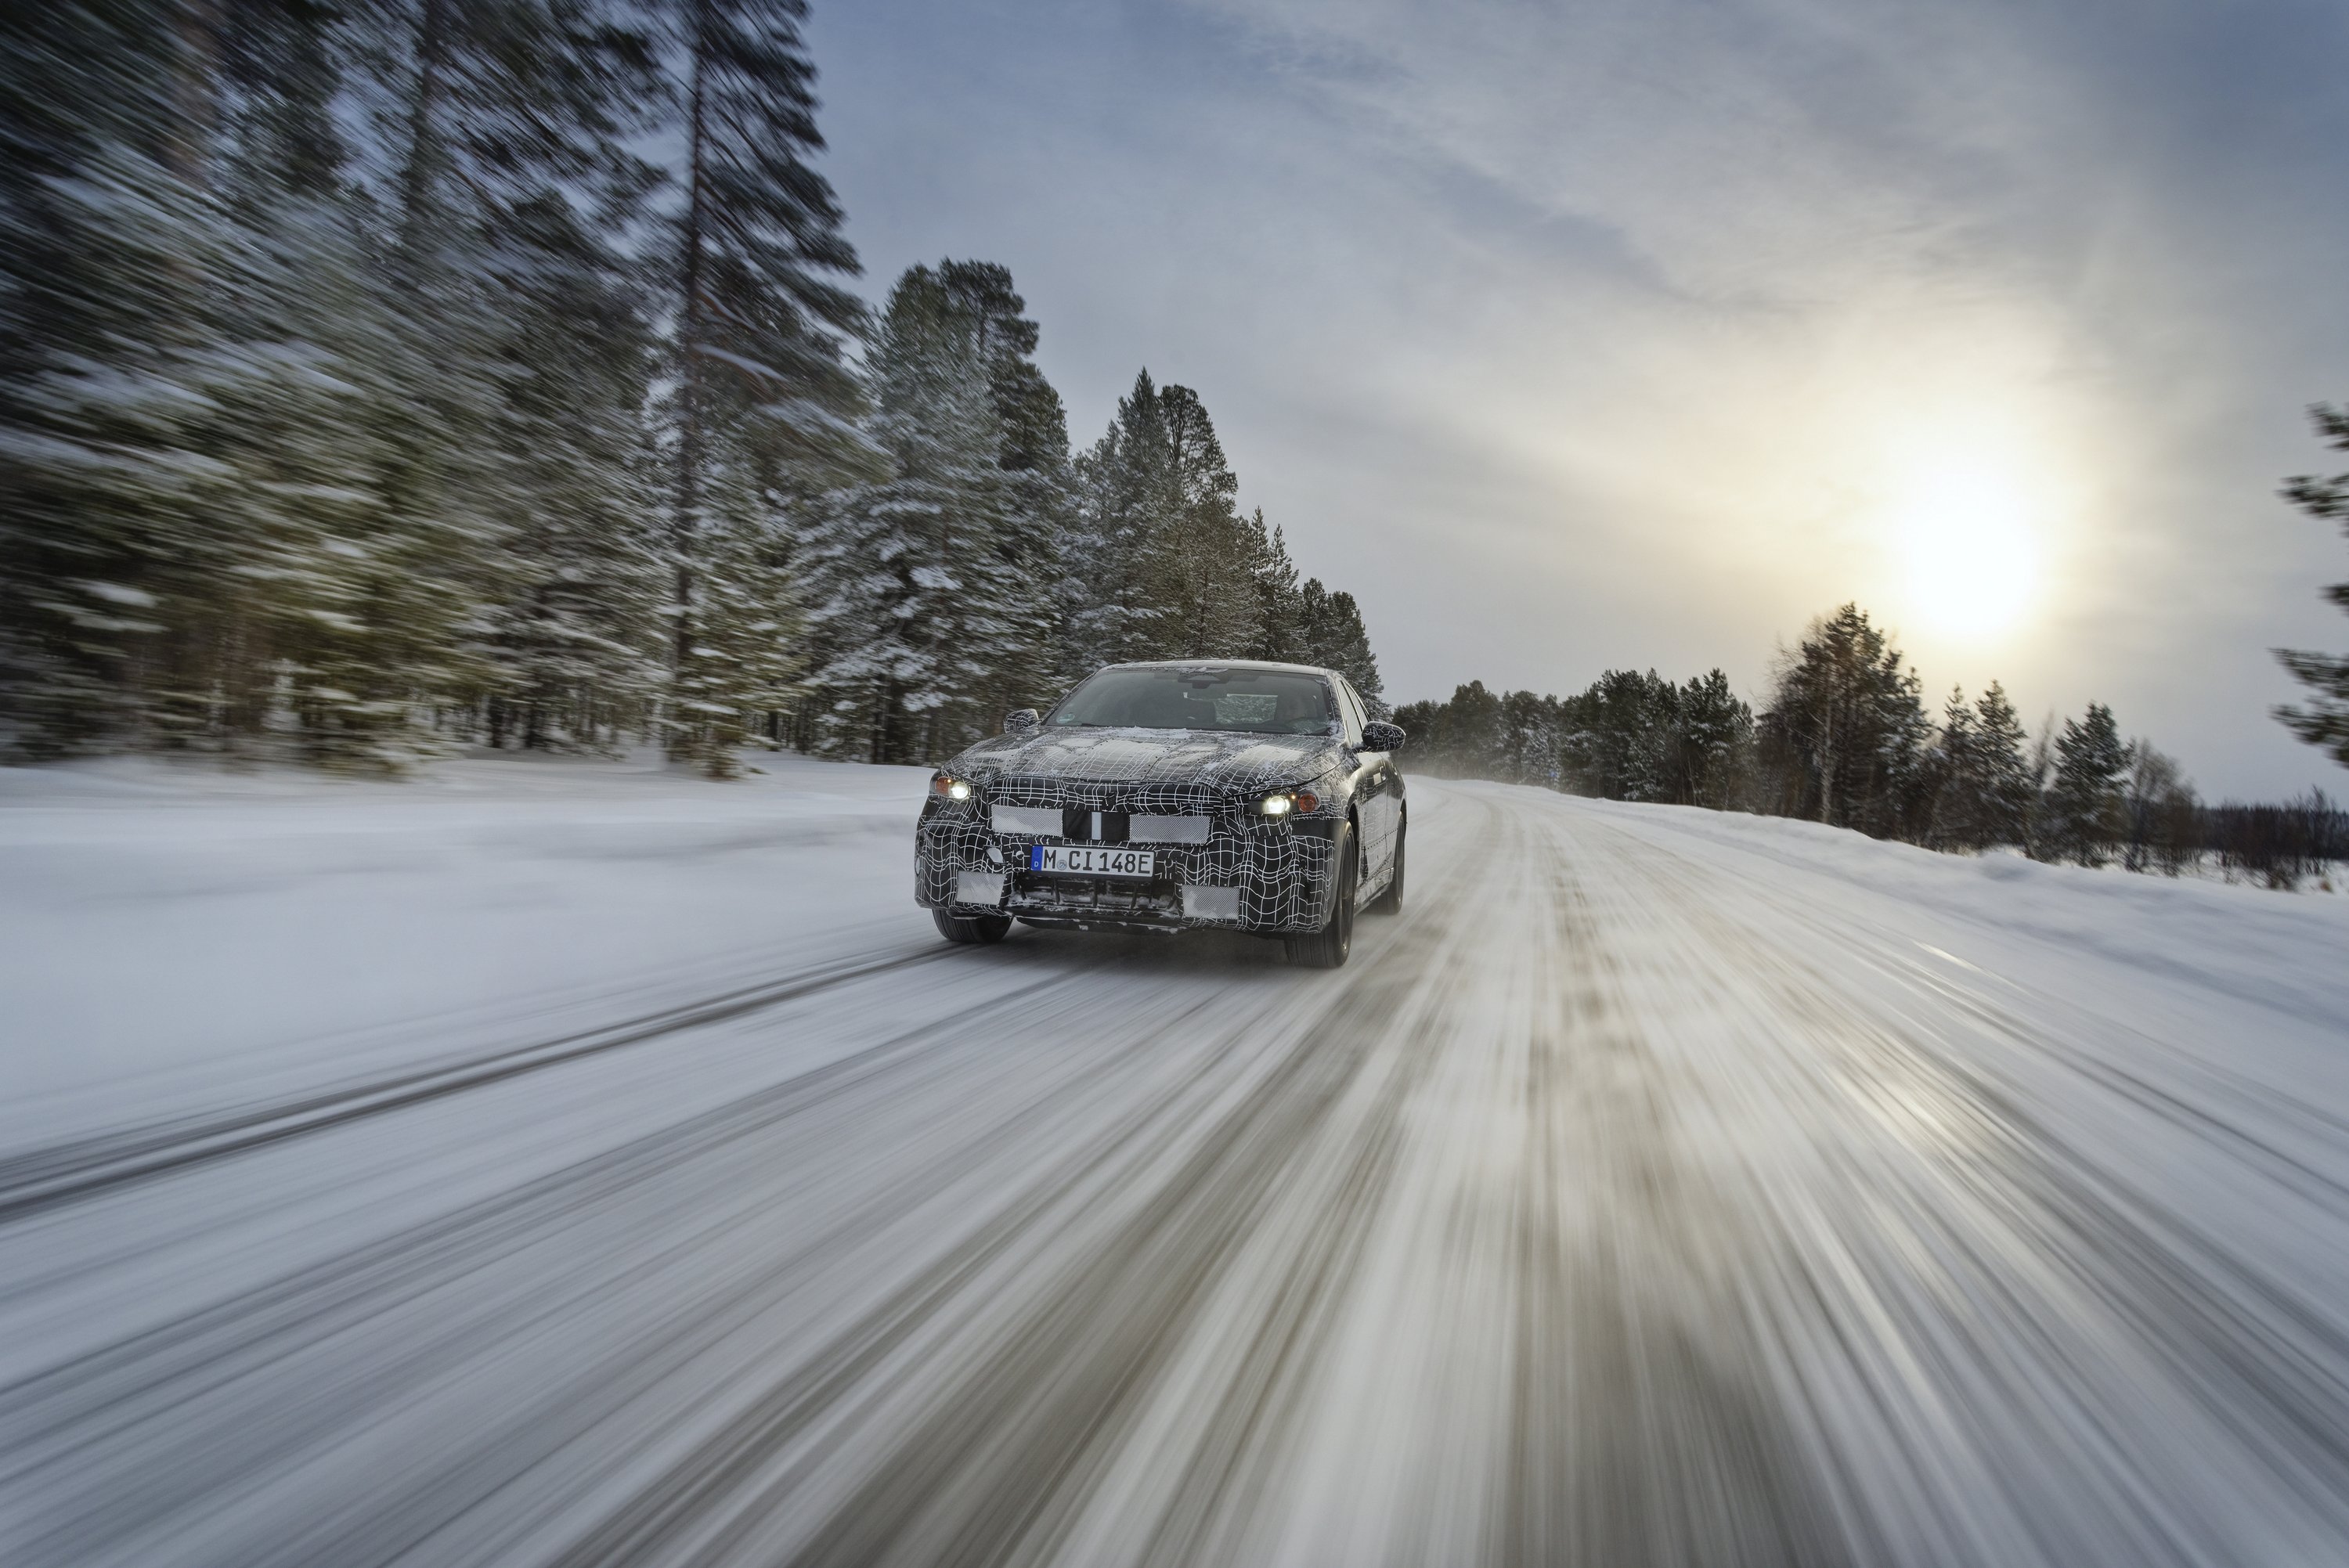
(1377, 799)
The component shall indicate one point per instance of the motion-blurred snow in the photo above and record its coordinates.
(575, 1162)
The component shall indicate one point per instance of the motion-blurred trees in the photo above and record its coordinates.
(328, 415)
(764, 406)
(2324, 721)
(1628, 737)
(366, 386)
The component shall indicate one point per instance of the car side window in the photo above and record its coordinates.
(1350, 706)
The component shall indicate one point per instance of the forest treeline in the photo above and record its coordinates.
(1844, 736)
(377, 375)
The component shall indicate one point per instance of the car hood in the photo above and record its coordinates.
(1211, 757)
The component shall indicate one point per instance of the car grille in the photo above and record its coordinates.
(1103, 814)
(1083, 795)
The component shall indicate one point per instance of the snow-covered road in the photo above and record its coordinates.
(574, 1165)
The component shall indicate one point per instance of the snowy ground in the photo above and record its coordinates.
(576, 1163)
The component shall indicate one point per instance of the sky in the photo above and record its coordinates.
(1636, 333)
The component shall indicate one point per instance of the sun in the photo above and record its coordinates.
(1965, 524)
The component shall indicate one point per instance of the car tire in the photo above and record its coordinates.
(978, 929)
(1390, 900)
(1328, 947)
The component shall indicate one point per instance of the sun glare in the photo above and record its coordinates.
(1966, 527)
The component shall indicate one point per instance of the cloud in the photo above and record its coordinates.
(1619, 332)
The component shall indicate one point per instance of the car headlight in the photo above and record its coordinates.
(953, 789)
(1281, 802)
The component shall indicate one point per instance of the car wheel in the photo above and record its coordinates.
(979, 928)
(1327, 948)
(1390, 902)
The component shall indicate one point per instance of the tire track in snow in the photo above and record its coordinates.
(42, 1178)
(981, 1471)
(2098, 1319)
(235, 1354)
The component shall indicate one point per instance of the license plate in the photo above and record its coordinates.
(1075, 860)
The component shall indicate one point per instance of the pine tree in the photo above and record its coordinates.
(570, 629)
(764, 406)
(1844, 738)
(1035, 424)
(2324, 722)
(452, 113)
(1120, 593)
(1713, 743)
(192, 497)
(503, 572)
(573, 644)
(1280, 616)
(922, 599)
(2006, 784)
(1038, 504)
(1469, 733)
(2085, 801)
(1160, 562)
(307, 632)
(1331, 628)
(1623, 738)
(1217, 609)
(1956, 820)
(110, 508)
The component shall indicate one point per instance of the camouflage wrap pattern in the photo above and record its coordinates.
(1281, 867)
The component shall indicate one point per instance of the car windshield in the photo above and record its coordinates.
(1256, 701)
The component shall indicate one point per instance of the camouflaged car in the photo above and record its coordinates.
(1203, 793)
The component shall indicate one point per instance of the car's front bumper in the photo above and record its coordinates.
(1253, 877)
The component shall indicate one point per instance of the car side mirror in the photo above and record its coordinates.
(1379, 736)
(1019, 721)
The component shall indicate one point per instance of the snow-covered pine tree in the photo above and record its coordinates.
(1217, 604)
(457, 138)
(1039, 498)
(1622, 740)
(1954, 821)
(110, 245)
(1035, 424)
(305, 634)
(1335, 638)
(1714, 743)
(762, 416)
(539, 103)
(1529, 722)
(1843, 739)
(922, 604)
(1120, 590)
(191, 477)
(2008, 785)
(2324, 720)
(2086, 807)
(501, 572)
(1279, 601)
(576, 645)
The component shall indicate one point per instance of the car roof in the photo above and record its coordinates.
(1221, 664)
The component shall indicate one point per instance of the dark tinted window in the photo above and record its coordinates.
(1258, 702)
